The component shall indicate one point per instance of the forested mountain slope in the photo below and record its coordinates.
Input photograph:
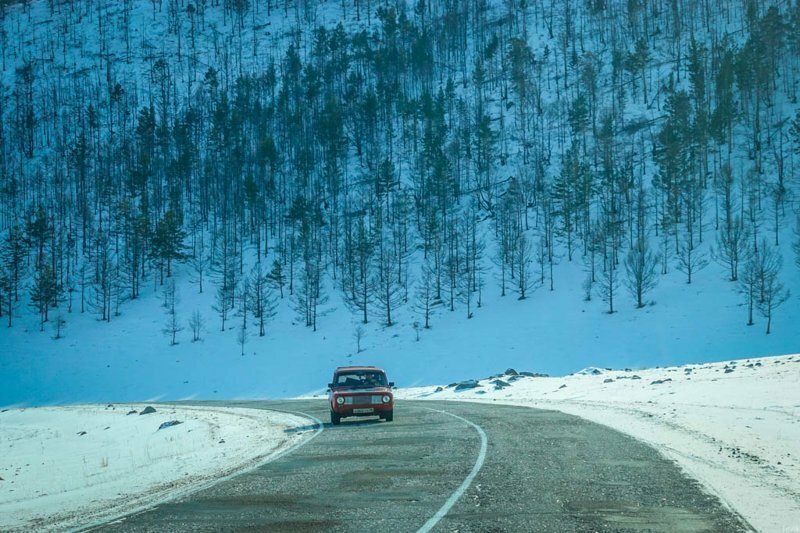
(453, 184)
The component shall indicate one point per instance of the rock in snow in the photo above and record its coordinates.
(466, 385)
(169, 424)
(660, 381)
(500, 384)
(147, 410)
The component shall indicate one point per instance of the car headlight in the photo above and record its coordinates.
(340, 400)
(387, 399)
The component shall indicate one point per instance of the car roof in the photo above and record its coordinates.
(356, 368)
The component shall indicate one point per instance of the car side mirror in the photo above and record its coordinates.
(330, 385)
(391, 383)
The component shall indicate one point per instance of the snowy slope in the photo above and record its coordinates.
(63, 467)
(130, 359)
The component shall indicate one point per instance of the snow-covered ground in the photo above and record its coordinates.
(734, 426)
(130, 360)
(61, 467)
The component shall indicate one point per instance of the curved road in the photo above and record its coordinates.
(541, 471)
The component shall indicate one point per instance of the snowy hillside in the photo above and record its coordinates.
(68, 467)
(199, 199)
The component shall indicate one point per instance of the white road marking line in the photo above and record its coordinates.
(431, 523)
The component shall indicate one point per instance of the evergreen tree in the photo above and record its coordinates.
(167, 245)
(45, 292)
(13, 253)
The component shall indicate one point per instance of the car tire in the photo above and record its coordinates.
(389, 416)
(335, 418)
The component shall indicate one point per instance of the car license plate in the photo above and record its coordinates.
(362, 411)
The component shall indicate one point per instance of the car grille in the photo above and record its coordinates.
(363, 400)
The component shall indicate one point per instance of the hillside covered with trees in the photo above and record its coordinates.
(403, 158)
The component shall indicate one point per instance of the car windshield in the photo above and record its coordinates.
(361, 379)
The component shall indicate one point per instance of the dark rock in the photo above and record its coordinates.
(660, 381)
(466, 385)
(596, 372)
(511, 372)
(564, 386)
(439, 389)
(500, 384)
(147, 410)
(451, 385)
(728, 370)
(608, 380)
(635, 376)
(480, 392)
(512, 379)
(169, 424)
(628, 370)
(81, 433)
(132, 412)
(222, 441)
(533, 375)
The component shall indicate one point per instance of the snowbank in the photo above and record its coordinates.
(61, 467)
(734, 426)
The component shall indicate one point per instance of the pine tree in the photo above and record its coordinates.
(44, 292)
(276, 277)
(167, 245)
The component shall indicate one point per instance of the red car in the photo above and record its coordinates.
(360, 391)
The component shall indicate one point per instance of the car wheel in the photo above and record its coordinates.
(335, 418)
(389, 416)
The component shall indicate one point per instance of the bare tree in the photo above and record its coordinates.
(640, 267)
(173, 325)
(425, 302)
(690, 260)
(523, 256)
(358, 335)
(196, 323)
(772, 291)
(242, 336)
(59, 323)
(608, 286)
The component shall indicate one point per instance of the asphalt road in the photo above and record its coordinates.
(542, 471)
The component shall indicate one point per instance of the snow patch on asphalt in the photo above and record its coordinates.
(64, 467)
(734, 426)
